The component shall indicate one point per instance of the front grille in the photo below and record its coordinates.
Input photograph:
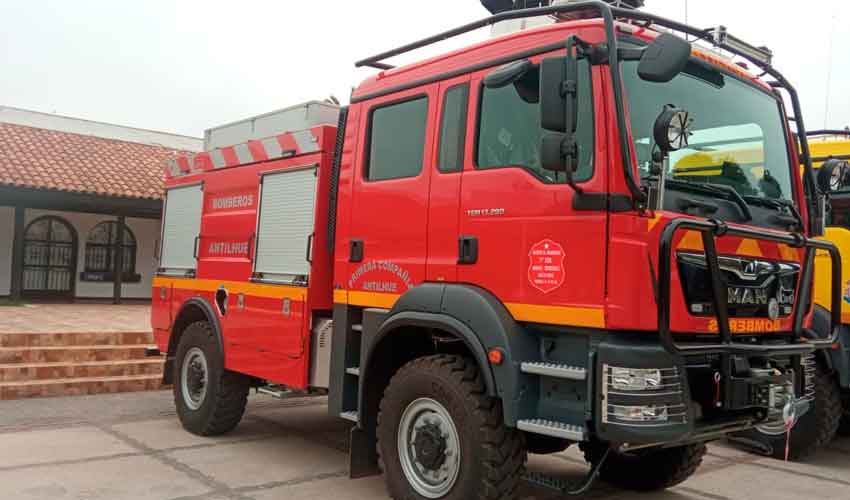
(754, 286)
(663, 404)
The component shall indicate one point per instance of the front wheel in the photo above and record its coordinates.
(441, 437)
(210, 400)
(646, 470)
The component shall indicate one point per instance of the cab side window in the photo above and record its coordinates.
(509, 131)
(453, 129)
(397, 140)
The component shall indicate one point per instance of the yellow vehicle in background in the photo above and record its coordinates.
(742, 167)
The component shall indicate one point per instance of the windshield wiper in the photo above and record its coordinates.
(710, 189)
(794, 219)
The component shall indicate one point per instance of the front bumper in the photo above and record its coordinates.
(689, 399)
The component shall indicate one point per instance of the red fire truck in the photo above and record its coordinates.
(484, 256)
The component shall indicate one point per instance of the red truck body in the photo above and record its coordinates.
(406, 242)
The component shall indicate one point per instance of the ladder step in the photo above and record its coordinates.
(354, 370)
(545, 481)
(554, 370)
(275, 391)
(349, 415)
(554, 429)
(357, 328)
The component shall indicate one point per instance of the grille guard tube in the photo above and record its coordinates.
(711, 229)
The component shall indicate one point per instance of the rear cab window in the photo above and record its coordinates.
(397, 140)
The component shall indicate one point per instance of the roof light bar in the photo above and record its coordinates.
(721, 37)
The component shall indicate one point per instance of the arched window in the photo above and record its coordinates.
(100, 253)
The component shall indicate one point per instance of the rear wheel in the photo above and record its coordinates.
(209, 399)
(646, 470)
(814, 430)
(440, 436)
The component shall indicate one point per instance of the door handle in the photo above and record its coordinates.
(355, 251)
(309, 256)
(467, 250)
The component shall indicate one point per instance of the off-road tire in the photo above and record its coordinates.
(844, 426)
(814, 430)
(493, 456)
(227, 392)
(647, 470)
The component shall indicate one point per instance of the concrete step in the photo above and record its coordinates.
(24, 372)
(79, 386)
(74, 338)
(72, 353)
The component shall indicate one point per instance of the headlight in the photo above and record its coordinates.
(635, 379)
(636, 397)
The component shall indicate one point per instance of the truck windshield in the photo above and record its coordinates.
(739, 138)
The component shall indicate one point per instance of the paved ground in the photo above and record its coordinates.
(74, 318)
(130, 446)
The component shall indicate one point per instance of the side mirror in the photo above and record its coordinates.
(507, 74)
(664, 59)
(672, 129)
(551, 155)
(553, 104)
(831, 175)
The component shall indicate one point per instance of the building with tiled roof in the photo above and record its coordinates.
(70, 191)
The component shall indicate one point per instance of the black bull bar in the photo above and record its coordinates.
(711, 229)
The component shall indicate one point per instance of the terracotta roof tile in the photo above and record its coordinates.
(63, 161)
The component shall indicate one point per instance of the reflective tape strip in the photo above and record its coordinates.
(272, 147)
(171, 168)
(243, 154)
(306, 141)
(217, 159)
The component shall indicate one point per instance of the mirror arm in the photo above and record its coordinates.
(569, 153)
(630, 54)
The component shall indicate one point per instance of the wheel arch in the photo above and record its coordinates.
(441, 316)
(836, 359)
(193, 310)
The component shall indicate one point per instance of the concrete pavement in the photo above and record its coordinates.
(131, 446)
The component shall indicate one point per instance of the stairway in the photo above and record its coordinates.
(71, 364)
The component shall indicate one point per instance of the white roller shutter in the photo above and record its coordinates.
(287, 209)
(182, 224)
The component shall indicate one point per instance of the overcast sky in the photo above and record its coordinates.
(185, 65)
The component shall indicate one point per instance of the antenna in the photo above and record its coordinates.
(829, 67)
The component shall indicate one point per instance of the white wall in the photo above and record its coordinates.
(7, 232)
(147, 235)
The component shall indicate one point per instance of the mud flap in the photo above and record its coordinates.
(363, 454)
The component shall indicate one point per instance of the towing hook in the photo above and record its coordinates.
(794, 410)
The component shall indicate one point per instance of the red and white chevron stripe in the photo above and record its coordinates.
(286, 145)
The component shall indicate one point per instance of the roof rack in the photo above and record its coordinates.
(717, 36)
(815, 133)
(496, 6)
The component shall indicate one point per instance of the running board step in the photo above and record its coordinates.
(349, 415)
(554, 429)
(275, 391)
(554, 370)
(548, 482)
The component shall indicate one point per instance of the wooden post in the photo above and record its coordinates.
(119, 261)
(17, 274)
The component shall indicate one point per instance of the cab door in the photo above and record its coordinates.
(540, 254)
(389, 219)
(444, 201)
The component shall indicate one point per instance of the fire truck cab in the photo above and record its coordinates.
(483, 255)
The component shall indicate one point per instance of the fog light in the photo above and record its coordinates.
(650, 413)
(635, 379)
